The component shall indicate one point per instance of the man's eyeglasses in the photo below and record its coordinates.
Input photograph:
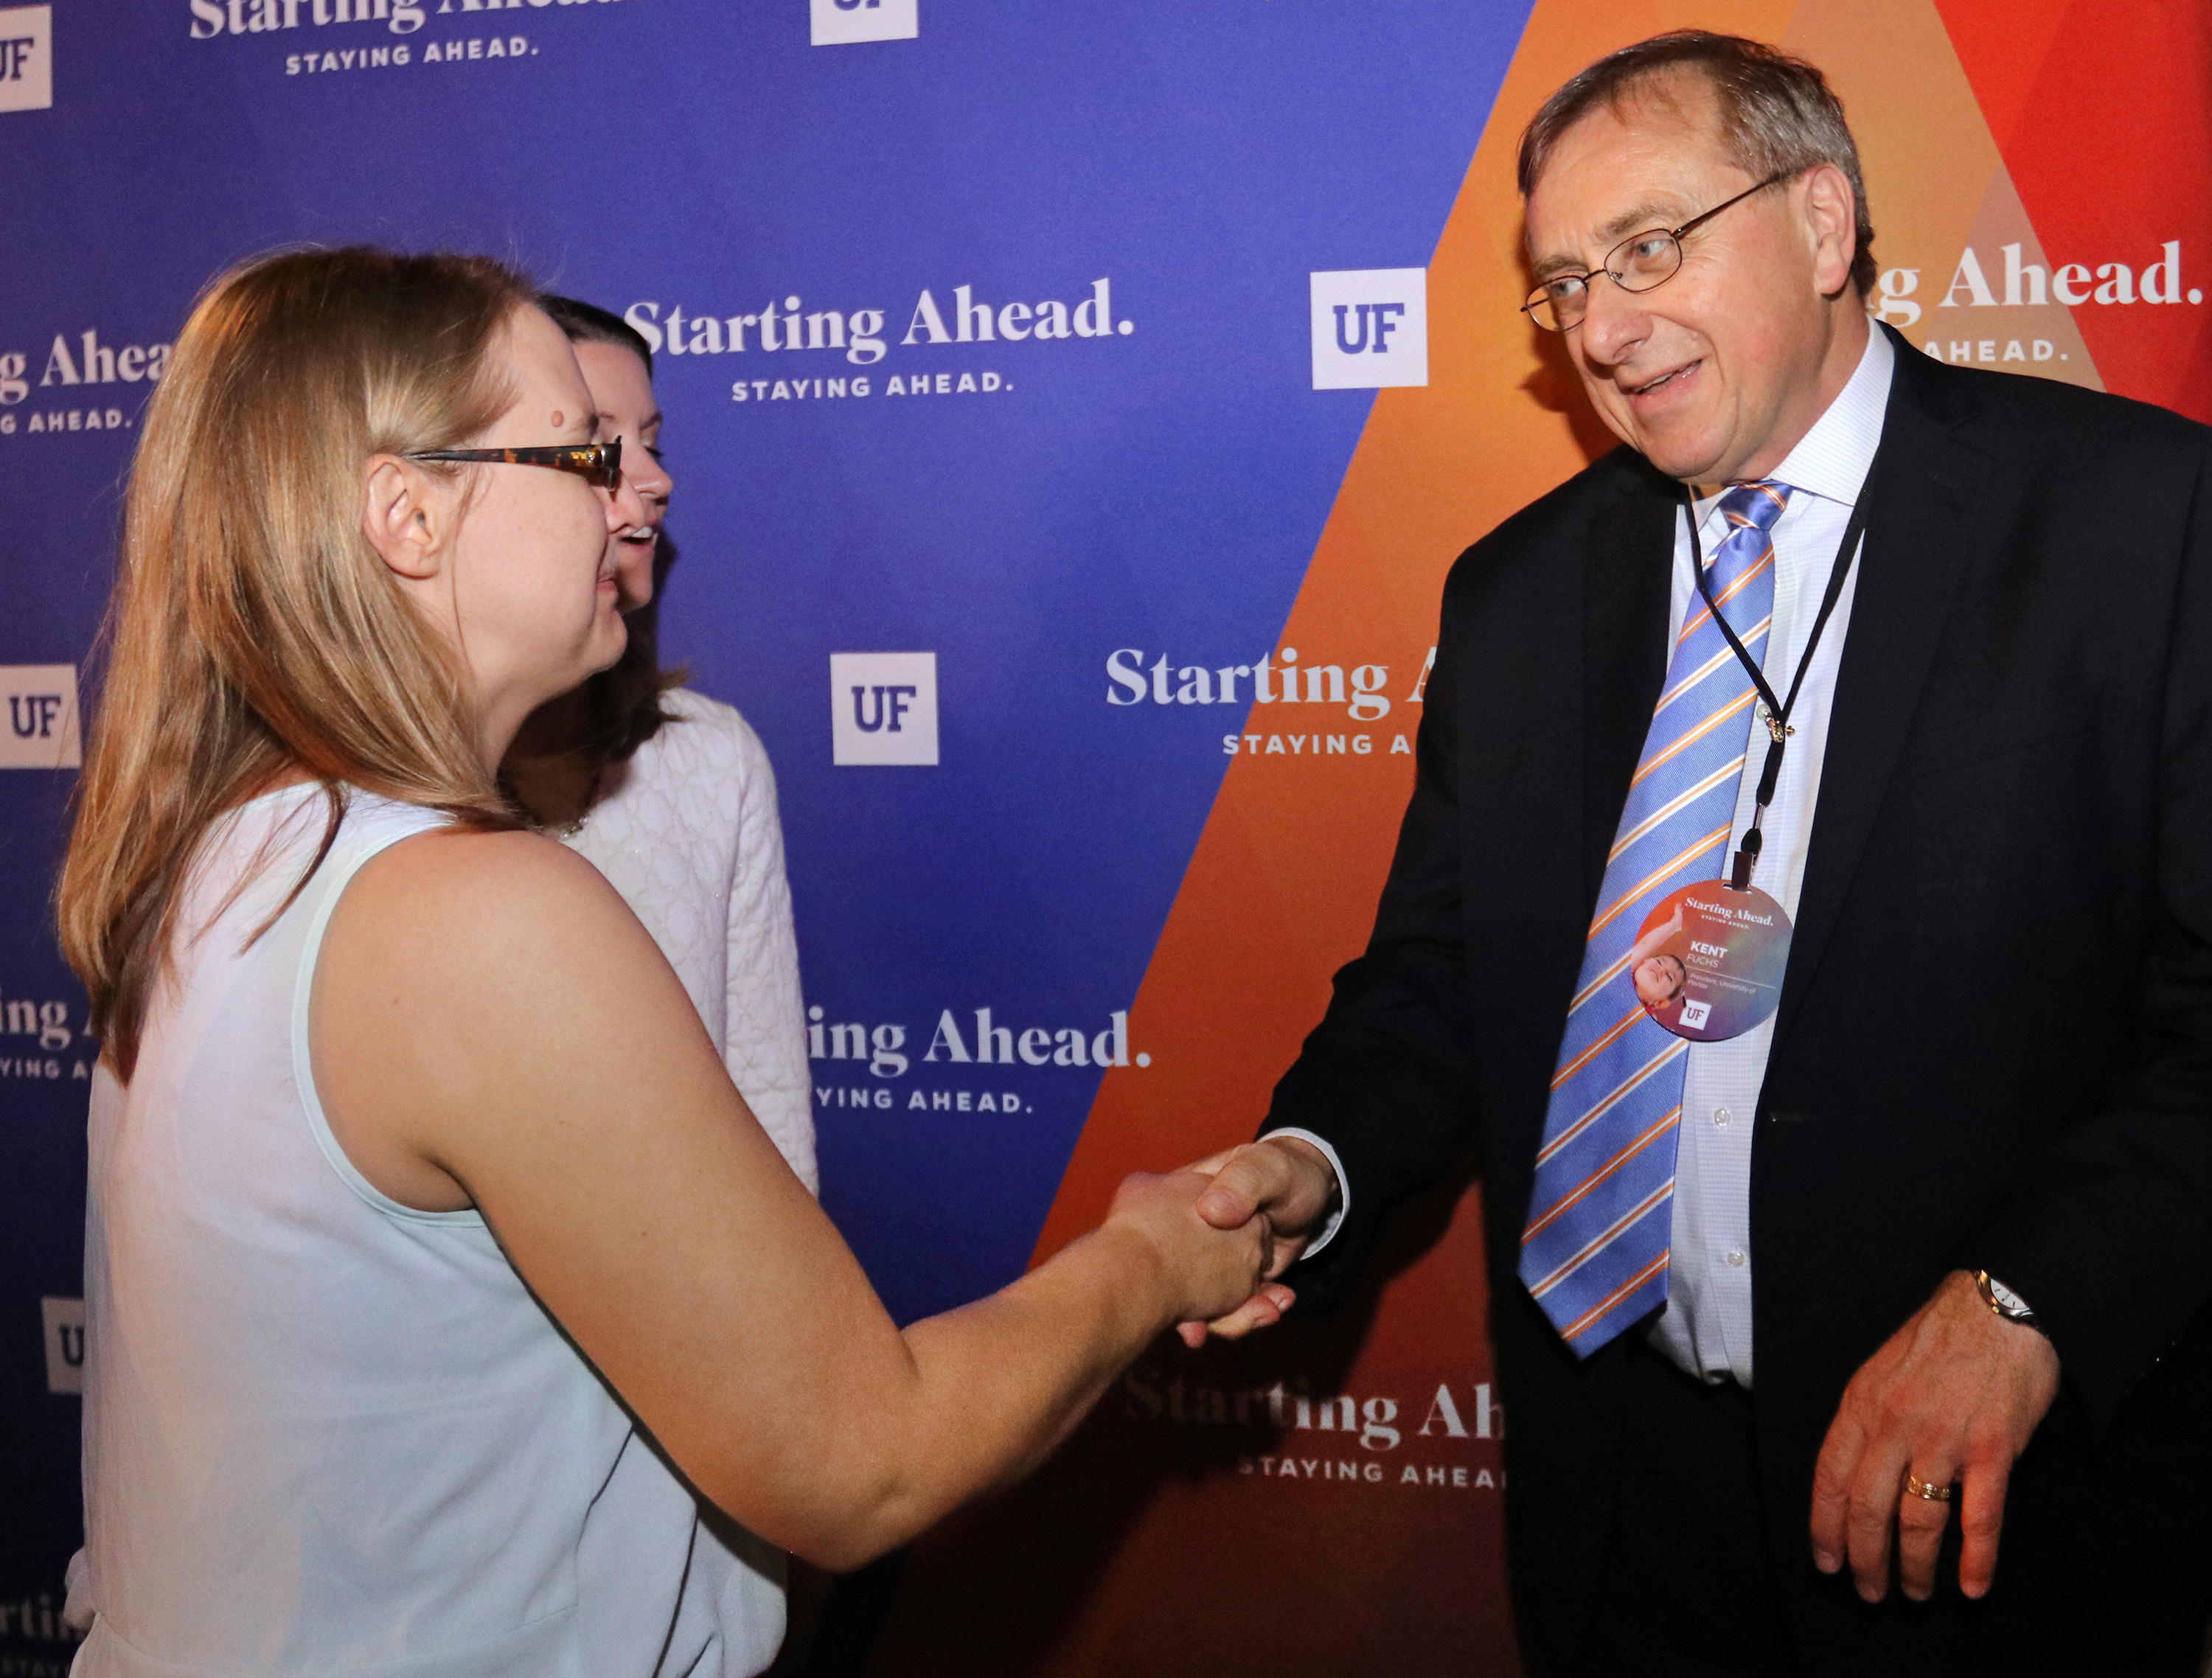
(1642, 262)
(596, 463)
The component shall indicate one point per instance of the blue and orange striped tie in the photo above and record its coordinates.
(1593, 1253)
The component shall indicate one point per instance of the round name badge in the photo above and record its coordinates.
(1708, 963)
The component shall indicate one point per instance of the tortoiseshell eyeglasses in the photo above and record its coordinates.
(599, 464)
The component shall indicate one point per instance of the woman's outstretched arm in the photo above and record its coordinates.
(493, 1027)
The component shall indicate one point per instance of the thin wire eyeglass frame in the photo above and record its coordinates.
(1543, 307)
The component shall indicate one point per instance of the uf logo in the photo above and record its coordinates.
(64, 1324)
(1370, 328)
(883, 707)
(836, 23)
(27, 68)
(41, 732)
(1384, 315)
(32, 715)
(891, 705)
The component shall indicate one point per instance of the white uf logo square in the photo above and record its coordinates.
(37, 717)
(839, 21)
(883, 707)
(27, 59)
(1370, 328)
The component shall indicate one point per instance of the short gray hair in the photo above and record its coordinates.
(1777, 114)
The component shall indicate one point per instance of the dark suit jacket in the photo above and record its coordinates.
(1994, 1040)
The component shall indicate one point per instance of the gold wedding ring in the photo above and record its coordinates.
(1921, 1488)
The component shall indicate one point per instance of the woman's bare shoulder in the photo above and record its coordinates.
(455, 904)
(462, 1001)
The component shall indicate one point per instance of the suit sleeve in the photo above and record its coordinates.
(2108, 1234)
(1387, 1076)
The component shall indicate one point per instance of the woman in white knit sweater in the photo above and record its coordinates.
(670, 793)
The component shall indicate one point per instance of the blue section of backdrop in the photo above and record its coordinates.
(1156, 487)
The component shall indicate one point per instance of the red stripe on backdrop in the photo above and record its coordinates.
(2100, 112)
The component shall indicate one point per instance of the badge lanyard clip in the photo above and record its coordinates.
(1775, 712)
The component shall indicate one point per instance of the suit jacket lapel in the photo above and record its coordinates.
(1920, 529)
(1628, 567)
(1561, 677)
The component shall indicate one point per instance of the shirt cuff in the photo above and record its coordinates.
(1343, 1188)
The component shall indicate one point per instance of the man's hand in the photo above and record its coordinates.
(1209, 1268)
(1287, 1181)
(1953, 1395)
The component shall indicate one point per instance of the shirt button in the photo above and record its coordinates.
(1720, 1117)
(1737, 1258)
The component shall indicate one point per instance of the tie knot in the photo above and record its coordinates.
(1756, 504)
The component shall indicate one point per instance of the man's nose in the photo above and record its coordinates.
(1614, 322)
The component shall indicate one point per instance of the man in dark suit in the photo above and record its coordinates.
(1951, 1177)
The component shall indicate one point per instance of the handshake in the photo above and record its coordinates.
(1226, 1226)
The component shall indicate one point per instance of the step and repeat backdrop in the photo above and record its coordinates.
(1073, 411)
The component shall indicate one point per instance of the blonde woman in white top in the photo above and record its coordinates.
(668, 791)
(425, 1221)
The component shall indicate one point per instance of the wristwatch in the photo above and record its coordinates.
(2006, 1304)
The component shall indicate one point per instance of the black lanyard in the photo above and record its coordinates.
(1777, 711)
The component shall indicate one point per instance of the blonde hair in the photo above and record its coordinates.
(253, 632)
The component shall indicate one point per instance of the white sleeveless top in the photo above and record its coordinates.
(327, 1433)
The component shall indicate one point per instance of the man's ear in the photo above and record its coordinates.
(403, 517)
(1832, 223)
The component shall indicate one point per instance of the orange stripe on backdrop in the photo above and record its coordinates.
(1169, 1537)
(1169, 1546)
(1281, 889)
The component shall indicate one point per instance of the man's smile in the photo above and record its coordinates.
(1672, 377)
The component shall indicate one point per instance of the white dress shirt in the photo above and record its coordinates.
(1706, 1326)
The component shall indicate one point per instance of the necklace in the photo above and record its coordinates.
(574, 825)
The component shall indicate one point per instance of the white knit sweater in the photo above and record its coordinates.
(687, 831)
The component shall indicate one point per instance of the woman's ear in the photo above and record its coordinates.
(403, 517)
